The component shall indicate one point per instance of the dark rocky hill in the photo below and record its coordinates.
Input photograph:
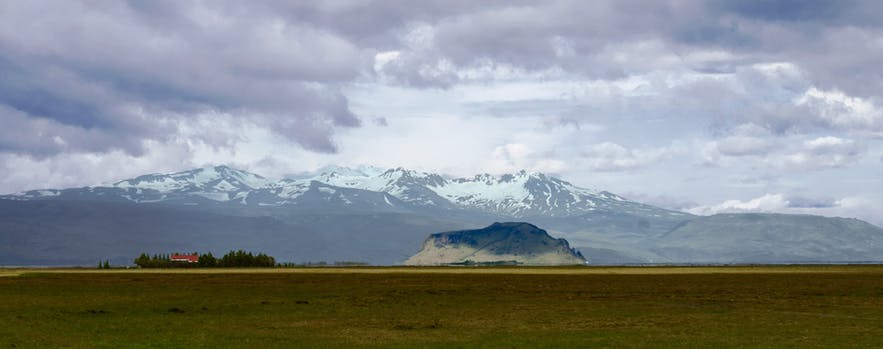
(518, 243)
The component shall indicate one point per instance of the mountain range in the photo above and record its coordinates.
(382, 216)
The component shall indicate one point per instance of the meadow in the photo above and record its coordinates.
(500, 307)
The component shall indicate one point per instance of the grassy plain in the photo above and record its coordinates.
(502, 307)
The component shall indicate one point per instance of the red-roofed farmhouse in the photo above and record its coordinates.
(189, 258)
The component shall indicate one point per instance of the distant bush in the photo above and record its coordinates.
(349, 264)
(104, 265)
(242, 259)
(157, 261)
(207, 260)
(233, 259)
(322, 264)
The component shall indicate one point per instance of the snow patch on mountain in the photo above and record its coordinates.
(484, 188)
(520, 194)
(217, 178)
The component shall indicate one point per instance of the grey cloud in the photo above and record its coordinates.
(283, 63)
(811, 154)
(527, 108)
(831, 40)
(560, 121)
(97, 61)
(753, 179)
(67, 170)
(730, 104)
(539, 36)
(613, 39)
(846, 59)
(818, 13)
(371, 23)
(593, 39)
(743, 146)
(664, 201)
(743, 140)
(42, 137)
(417, 70)
(782, 10)
(826, 152)
(807, 202)
(610, 156)
(777, 98)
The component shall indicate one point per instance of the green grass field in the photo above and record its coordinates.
(668, 307)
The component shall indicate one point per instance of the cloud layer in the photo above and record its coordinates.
(692, 101)
(87, 76)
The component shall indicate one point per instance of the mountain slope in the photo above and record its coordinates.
(80, 233)
(218, 183)
(66, 232)
(512, 195)
(381, 216)
(520, 194)
(771, 238)
(522, 243)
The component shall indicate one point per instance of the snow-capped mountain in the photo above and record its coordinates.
(521, 194)
(406, 185)
(218, 183)
(529, 194)
(382, 216)
(217, 178)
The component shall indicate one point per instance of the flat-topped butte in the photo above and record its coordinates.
(509, 243)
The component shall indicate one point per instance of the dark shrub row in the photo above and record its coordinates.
(233, 259)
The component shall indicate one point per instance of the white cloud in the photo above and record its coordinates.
(511, 151)
(512, 157)
(843, 111)
(782, 152)
(104, 84)
(610, 156)
(593, 90)
(382, 58)
(825, 152)
(862, 207)
(765, 203)
(23, 172)
(743, 146)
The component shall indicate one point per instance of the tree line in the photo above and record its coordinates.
(233, 259)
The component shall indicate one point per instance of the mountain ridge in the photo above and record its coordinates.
(382, 216)
(519, 194)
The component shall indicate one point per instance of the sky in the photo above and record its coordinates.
(702, 106)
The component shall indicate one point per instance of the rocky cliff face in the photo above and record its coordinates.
(518, 243)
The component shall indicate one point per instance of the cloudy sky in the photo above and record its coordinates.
(705, 106)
